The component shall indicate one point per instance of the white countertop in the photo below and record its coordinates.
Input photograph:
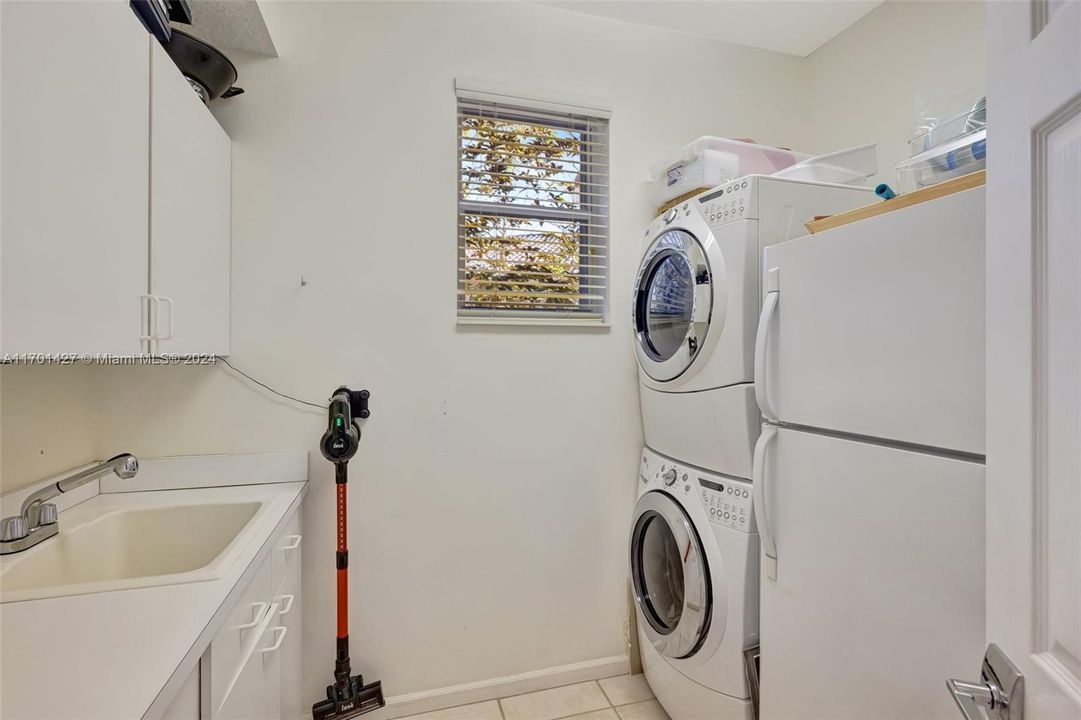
(111, 654)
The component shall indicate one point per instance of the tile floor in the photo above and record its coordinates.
(626, 697)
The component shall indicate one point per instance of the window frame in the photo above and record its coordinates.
(580, 115)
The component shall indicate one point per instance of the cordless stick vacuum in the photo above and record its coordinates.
(348, 697)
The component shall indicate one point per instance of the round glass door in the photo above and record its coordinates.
(667, 305)
(671, 311)
(669, 576)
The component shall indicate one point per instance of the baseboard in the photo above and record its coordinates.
(501, 687)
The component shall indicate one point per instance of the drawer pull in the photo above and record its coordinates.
(294, 542)
(288, 604)
(259, 610)
(280, 631)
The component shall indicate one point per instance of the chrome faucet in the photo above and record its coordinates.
(37, 519)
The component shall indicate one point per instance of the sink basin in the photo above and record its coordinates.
(129, 548)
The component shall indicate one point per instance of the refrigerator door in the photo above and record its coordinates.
(878, 593)
(877, 328)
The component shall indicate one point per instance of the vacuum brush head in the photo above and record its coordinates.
(350, 701)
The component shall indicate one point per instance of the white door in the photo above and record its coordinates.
(190, 176)
(1034, 350)
(74, 135)
(879, 582)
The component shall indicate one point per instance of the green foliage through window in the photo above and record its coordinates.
(532, 211)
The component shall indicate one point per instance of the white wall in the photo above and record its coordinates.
(494, 486)
(495, 480)
(866, 83)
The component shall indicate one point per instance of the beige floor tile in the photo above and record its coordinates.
(478, 711)
(626, 689)
(556, 703)
(608, 714)
(648, 710)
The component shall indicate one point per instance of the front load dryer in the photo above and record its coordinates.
(694, 573)
(696, 306)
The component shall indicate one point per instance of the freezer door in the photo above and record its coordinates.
(879, 589)
(878, 327)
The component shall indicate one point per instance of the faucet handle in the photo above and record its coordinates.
(13, 528)
(47, 514)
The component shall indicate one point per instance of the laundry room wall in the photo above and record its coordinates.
(868, 81)
(492, 493)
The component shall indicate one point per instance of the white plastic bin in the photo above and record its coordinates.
(711, 161)
(845, 167)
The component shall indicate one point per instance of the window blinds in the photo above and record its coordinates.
(532, 211)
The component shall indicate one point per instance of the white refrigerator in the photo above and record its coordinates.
(869, 473)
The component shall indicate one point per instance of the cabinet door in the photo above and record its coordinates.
(289, 616)
(190, 171)
(75, 129)
(254, 695)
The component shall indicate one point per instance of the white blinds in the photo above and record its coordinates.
(532, 212)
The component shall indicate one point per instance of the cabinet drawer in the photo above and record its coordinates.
(244, 621)
(286, 552)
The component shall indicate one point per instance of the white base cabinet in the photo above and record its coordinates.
(251, 671)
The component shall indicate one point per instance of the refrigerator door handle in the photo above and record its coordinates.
(758, 493)
(761, 345)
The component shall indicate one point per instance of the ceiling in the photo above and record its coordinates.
(232, 25)
(796, 27)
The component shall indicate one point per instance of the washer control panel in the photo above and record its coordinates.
(728, 502)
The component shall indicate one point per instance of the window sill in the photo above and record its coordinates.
(541, 322)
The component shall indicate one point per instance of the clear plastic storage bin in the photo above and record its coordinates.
(711, 161)
(944, 149)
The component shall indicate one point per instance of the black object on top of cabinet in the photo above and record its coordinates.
(154, 17)
(179, 11)
(210, 72)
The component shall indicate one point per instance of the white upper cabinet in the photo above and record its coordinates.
(75, 127)
(190, 171)
(116, 190)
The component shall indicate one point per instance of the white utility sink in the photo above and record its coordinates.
(129, 548)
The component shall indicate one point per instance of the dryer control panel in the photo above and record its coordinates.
(730, 202)
(728, 502)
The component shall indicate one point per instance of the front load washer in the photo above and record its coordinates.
(694, 573)
(696, 306)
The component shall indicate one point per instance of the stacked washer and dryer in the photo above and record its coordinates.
(694, 543)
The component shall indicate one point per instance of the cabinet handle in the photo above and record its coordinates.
(294, 542)
(260, 610)
(147, 318)
(288, 604)
(280, 631)
(168, 301)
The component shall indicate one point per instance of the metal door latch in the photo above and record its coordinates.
(1000, 692)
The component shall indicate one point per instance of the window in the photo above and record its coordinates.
(532, 210)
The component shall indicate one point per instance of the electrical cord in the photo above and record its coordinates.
(267, 387)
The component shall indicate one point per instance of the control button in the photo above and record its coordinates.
(729, 491)
(684, 206)
(726, 516)
(744, 493)
(744, 184)
(670, 215)
(742, 519)
(669, 476)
